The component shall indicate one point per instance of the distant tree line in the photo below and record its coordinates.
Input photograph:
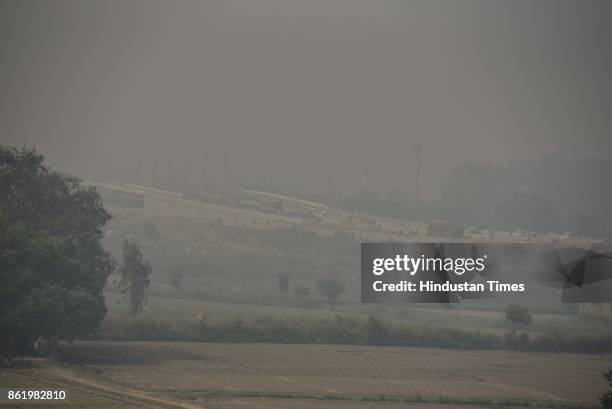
(551, 194)
(330, 288)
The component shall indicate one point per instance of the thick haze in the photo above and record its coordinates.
(304, 94)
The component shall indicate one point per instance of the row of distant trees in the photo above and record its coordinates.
(330, 288)
(551, 194)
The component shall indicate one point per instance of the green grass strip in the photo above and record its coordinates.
(451, 400)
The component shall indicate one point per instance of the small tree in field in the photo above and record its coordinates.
(283, 282)
(518, 316)
(135, 276)
(175, 279)
(330, 289)
(301, 292)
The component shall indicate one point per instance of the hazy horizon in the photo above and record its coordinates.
(306, 95)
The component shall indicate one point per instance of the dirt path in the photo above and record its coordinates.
(140, 396)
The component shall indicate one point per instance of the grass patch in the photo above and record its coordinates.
(343, 330)
(440, 399)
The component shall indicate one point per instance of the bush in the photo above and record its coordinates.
(141, 330)
(377, 332)
(606, 397)
(301, 291)
(337, 330)
(175, 279)
(557, 341)
(520, 342)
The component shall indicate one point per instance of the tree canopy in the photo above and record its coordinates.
(52, 264)
(283, 282)
(518, 315)
(330, 289)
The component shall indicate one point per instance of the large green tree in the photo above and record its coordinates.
(52, 264)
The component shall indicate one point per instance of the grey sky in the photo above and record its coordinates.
(301, 93)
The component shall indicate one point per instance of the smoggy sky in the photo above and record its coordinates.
(304, 94)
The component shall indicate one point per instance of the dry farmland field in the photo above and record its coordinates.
(208, 375)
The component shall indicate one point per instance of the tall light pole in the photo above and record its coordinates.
(225, 173)
(418, 148)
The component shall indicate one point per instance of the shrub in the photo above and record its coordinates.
(516, 341)
(606, 397)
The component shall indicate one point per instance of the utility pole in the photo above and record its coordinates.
(186, 181)
(418, 148)
(169, 180)
(225, 171)
(203, 183)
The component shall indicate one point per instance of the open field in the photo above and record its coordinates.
(231, 273)
(230, 259)
(160, 374)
